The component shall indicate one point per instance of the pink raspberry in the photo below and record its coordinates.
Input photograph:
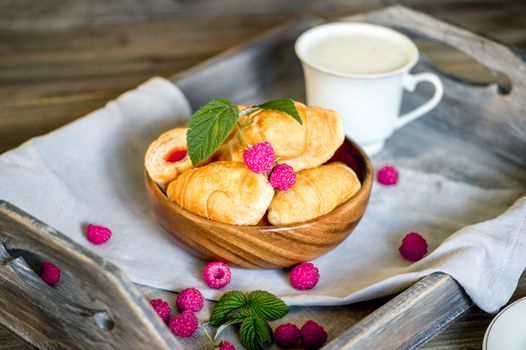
(98, 234)
(226, 346)
(184, 325)
(413, 247)
(282, 177)
(162, 308)
(387, 175)
(260, 157)
(313, 335)
(50, 273)
(190, 299)
(217, 274)
(287, 335)
(304, 276)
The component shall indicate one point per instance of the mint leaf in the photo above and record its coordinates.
(228, 302)
(239, 314)
(255, 333)
(208, 128)
(286, 106)
(223, 327)
(266, 305)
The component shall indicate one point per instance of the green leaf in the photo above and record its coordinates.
(255, 333)
(286, 106)
(266, 305)
(223, 327)
(239, 314)
(227, 303)
(208, 128)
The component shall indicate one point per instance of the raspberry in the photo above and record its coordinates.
(313, 335)
(260, 157)
(304, 276)
(413, 247)
(282, 177)
(190, 299)
(287, 335)
(162, 308)
(226, 346)
(217, 274)
(387, 175)
(50, 273)
(184, 325)
(98, 234)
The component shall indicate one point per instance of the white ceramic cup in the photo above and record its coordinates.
(369, 104)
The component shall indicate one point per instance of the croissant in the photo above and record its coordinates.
(223, 191)
(167, 157)
(300, 146)
(317, 191)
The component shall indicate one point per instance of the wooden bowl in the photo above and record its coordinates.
(266, 247)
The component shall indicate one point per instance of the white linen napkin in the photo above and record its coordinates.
(91, 171)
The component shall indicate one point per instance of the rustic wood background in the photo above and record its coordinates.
(62, 59)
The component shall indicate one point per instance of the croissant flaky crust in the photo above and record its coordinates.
(159, 168)
(317, 192)
(223, 191)
(300, 146)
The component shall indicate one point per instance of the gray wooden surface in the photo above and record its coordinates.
(56, 65)
(62, 59)
(94, 306)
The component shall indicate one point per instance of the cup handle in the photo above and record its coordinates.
(410, 82)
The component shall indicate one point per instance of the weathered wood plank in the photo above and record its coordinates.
(94, 306)
(468, 332)
(410, 319)
(74, 13)
(8, 341)
(54, 98)
(50, 76)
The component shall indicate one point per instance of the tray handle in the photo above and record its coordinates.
(488, 110)
(16, 271)
(93, 307)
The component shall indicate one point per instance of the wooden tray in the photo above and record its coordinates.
(98, 308)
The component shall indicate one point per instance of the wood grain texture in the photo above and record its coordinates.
(468, 332)
(62, 59)
(268, 246)
(410, 319)
(8, 341)
(54, 68)
(93, 307)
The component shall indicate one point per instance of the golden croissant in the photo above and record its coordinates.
(317, 192)
(167, 157)
(300, 146)
(223, 191)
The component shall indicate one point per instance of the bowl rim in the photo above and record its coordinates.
(495, 320)
(365, 190)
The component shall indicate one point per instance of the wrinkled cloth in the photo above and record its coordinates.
(91, 171)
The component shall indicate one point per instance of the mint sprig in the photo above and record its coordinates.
(211, 124)
(286, 106)
(209, 127)
(252, 311)
(267, 306)
(255, 333)
(229, 302)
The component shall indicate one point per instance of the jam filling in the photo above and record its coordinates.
(176, 155)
